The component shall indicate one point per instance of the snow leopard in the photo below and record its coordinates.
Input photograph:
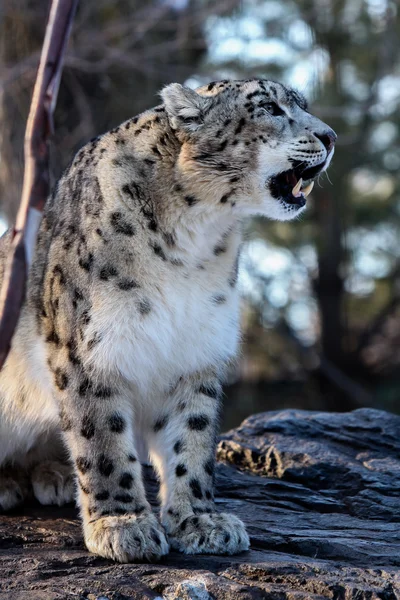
(131, 314)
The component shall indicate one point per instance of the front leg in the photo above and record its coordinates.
(182, 446)
(117, 519)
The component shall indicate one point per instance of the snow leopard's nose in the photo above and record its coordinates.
(328, 138)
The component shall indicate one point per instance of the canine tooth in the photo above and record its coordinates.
(307, 190)
(297, 187)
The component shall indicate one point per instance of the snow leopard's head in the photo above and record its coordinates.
(250, 144)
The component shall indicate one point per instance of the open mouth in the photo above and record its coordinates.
(290, 186)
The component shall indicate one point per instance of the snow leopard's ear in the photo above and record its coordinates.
(185, 108)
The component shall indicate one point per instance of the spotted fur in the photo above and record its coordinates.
(132, 313)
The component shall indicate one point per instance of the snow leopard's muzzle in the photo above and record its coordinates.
(294, 185)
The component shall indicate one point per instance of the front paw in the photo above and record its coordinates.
(212, 533)
(126, 538)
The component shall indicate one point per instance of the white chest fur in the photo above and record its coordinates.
(191, 324)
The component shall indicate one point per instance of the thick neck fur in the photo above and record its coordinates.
(180, 202)
(134, 201)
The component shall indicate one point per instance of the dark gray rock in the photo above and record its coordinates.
(318, 491)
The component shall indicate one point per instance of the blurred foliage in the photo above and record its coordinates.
(321, 295)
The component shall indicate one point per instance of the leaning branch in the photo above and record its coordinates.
(36, 175)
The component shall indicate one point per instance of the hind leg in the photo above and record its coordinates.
(51, 474)
(50, 481)
(33, 459)
(53, 482)
(43, 472)
(14, 487)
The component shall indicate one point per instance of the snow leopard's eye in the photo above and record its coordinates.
(190, 120)
(272, 108)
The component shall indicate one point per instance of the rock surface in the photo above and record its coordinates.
(320, 494)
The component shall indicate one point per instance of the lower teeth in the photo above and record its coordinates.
(307, 190)
(297, 188)
(297, 191)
